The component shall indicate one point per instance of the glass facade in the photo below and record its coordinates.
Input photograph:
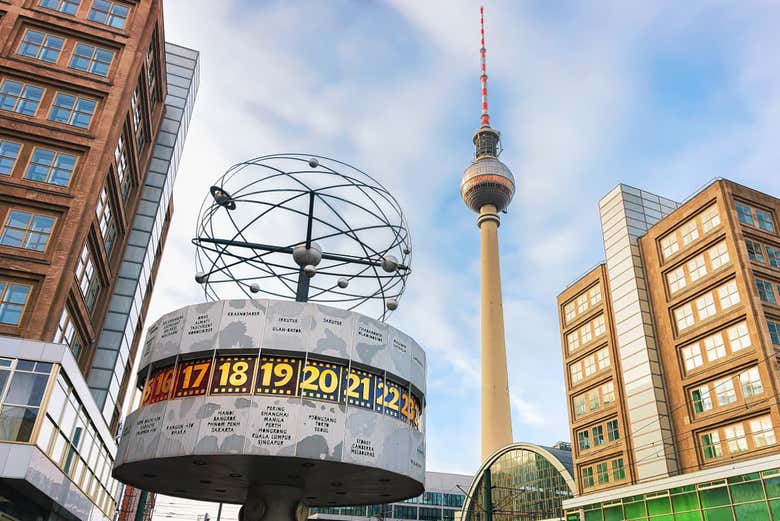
(124, 310)
(520, 484)
(747, 497)
(438, 504)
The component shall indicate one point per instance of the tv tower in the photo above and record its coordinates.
(487, 188)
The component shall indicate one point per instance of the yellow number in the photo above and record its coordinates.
(328, 387)
(285, 372)
(394, 395)
(266, 369)
(405, 409)
(201, 369)
(236, 377)
(380, 393)
(354, 381)
(239, 376)
(147, 391)
(167, 380)
(310, 375)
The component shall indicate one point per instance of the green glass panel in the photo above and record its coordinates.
(685, 502)
(593, 515)
(752, 512)
(635, 510)
(613, 513)
(744, 477)
(687, 516)
(718, 514)
(714, 497)
(774, 506)
(659, 505)
(748, 491)
(772, 487)
(663, 517)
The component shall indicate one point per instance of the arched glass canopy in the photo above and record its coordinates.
(521, 482)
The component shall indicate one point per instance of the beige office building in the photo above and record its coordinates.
(670, 359)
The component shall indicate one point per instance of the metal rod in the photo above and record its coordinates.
(302, 292)
(288, 249)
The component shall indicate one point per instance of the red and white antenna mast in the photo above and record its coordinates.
(485, 120)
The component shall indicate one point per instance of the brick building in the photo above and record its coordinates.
(94, 108)
(684, 338)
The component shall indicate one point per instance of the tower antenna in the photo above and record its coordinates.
(485, 119)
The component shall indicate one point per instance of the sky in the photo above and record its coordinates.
(659, 95)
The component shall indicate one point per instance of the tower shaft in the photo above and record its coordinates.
(496, 417)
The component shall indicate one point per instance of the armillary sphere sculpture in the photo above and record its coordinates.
(274, 393)
(304, 227)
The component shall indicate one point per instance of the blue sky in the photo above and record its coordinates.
(660, 95)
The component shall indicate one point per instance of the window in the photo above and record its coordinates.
(67, 334)
(598, 435)
(697, 268)
(669, 245)
(48, 166)
(602, 471)
(593, 400)
(689, 232)
(765, 221)
(719, 255)
(773, 256)
(715, 347)
(583, 439)
(676, 279)
(735, 438)
(603, 358)
(684, 317)
(87, 277)
(27, 230)
(613, 433)
(595, 295)
(608, 393)
(728, 295)
(138, 123)
(710, 445)
(9, 151)
(13, 298)
(41, 46)
(599, 326)
(120, 157)
(573, 340)
(72, 110)
(582, 304)
(568, 310)
(724, 391)
(754, 251)
(579, 405)
(106, 220)
(576, 372)
(63, 6)
(151, 70)
(692, 356)
(587, 477)
(774, 332)
(750, 381)
(705, 305)
(20, 97)
(744, 214)
(590, 365)
(113, 14)
(739, 337)
(585, 334)
(618, 470)
(762, 431)
(27, 384)
(89, 58)
(710, 218)
(765, 291)
(702, 401)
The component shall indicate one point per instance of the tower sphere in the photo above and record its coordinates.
(487, 181)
